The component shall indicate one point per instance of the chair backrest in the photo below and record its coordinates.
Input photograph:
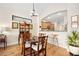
(20, 34)
(43, 41)
(2, 36)
(26, 36)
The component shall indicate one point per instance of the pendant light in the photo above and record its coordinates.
(33, 12)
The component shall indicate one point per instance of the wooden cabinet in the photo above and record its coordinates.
(47, 25)
(23, 28)
(44, 25)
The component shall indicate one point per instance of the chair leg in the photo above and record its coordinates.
(57, 43)
(5, 45)
(24, 53)
(22, 50)
(45, 53)
(30, 52)
(38, 53)
(19, 41)
(34, 54)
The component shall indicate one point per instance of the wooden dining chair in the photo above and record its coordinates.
(26, 43)
(40, 46)
(3, 39)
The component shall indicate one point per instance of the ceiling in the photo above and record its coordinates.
(58, 17)
(43, 9)
(23, 9)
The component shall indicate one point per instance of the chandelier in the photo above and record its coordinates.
(33, 12)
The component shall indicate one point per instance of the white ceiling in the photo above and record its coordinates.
(58, 17)
(24, 9)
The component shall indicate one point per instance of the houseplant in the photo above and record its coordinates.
(73, 43)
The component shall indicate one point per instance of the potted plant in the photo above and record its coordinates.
(73, 43)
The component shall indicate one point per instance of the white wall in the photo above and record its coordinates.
(6, 12)
(73, 9)
(6, 20)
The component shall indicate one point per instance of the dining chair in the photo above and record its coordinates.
(26, 43)
(3, 39)
(20, 36)
(55, 39)
(40, 46)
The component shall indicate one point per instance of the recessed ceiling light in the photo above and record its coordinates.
(48, 17)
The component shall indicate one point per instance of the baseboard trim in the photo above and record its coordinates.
(14, 43)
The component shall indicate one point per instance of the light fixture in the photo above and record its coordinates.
(48, 17)
(33, 12)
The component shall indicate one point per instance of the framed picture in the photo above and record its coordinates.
(14, 25)
(74, 21)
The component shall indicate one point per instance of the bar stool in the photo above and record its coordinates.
(55, 39)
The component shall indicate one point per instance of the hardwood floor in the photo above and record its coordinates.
(52, 50)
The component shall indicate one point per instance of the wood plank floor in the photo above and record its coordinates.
(52, 50)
